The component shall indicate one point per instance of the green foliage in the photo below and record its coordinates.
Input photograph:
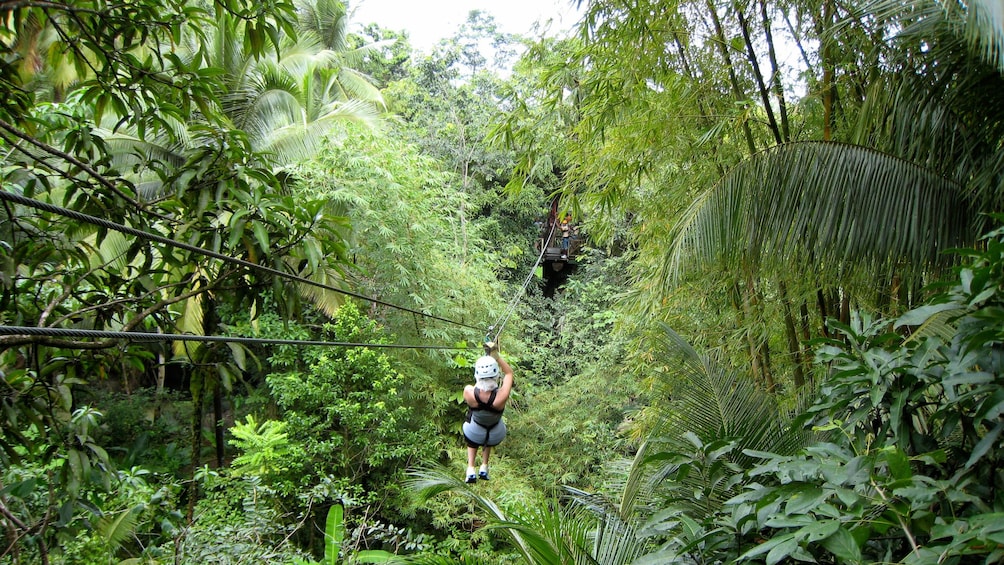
(544, 530)
(266, 451)
(571, 393)
(907, 469)
(334, 536)
(450, 105)
(910, 471)
(409, 237)
(152, 131)
(131, 519)
(235, 523)
(145, 429)
(346, 409)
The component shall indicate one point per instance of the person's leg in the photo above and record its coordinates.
(483, 472)
(472, 456)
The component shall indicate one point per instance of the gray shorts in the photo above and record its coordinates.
(477, 436)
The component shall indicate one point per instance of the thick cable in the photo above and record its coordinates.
(511, 307)
(72, 214)
(142, 336)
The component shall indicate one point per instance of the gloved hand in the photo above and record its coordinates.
(491, 348)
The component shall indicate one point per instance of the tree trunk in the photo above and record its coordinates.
(723, 48)
(161, 367)
(798, 43)
(705, 118)
(895, 287)
(803, 311)
(759, 349)
(775, 73)
(821, 304)
(794, 349)
(845, 307)
(827, 60)
(198, 379)
(218, 425)
(757, 75)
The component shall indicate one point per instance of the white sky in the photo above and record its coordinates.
(428, 21)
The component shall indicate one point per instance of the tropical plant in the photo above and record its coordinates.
(235, 522)
(334, 537)
(265, 450)
(69, 274)
(346, 410)
(449, 106)
(547, 531)
(699, 429)
(909, 473)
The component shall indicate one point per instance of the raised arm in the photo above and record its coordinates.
(507, 380)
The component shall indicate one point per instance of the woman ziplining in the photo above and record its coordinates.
(483, 426)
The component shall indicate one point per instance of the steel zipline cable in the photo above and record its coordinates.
(511, 307)
(141, 336)
(72, 214)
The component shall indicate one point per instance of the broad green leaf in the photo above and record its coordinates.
(986, 444)
(804, 500)
(918, 316)
(843, 546)
(261, 235)
(821, 529)
(373, 556)
(334, 534)
(782, 550)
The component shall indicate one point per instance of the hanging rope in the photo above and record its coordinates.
(72, 214)
(141, 336)
(511, 307)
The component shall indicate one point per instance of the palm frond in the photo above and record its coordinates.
(326, 18)
(614, 536)
(115, 528)
(941, 107)
(634, 482)
(359, 86)
(985, 30)
(433, 481)
(589, 531)
(819, 204)
(328, 301)
(714, 404)
(295, 142)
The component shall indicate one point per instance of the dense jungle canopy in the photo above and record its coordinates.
(250, 255)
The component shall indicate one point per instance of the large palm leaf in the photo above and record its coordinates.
(706, 399)
(706, 415)
(940, 103)
(824, 205)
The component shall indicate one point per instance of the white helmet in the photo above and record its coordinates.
(486, 367)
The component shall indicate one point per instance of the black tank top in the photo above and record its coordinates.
(484, 413)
